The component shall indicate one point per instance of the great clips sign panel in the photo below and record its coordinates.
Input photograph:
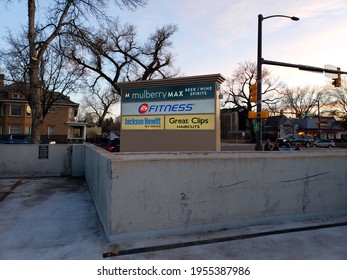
(179, 114)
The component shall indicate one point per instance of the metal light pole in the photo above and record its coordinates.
(258, 126)
(318, 134)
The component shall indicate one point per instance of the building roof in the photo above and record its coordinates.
(276, 121)
(56, 97)
(173, 81)
(315, 123)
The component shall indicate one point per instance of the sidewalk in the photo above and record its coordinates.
(55, 218)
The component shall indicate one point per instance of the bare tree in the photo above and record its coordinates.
(239, 85)
(103, 51)
(99, 102)
(155, 61)
(304, 100)
(40, 35)
(57, 75)
(238, 89)
(339, 101)
(113, 53)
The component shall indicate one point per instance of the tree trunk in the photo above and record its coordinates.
(34, 84)
(37, 116)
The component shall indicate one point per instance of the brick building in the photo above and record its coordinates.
(59, 123)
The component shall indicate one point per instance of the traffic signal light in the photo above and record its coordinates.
(337, 82)
(252, 115)
(253, 93)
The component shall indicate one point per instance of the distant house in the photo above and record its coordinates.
(277, 127)
(234, 124)
(59, 124)
(320, 127)
(317, 127)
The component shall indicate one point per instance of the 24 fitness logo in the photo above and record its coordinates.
(165, 108)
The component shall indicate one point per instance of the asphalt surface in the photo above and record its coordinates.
(55, 219)
(250, 147)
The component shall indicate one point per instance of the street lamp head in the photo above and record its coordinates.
(292, 18)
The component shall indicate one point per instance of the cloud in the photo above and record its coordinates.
(318, 8)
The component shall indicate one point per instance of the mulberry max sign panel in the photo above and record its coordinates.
(199, 91)
(171, 114)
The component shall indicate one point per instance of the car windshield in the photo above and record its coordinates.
(114, 142)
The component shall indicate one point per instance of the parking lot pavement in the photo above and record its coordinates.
(250, 147)
(55, 218)
(49, 218)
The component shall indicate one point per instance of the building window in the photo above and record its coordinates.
(71, 113)
(16, 110)
(28, 111)
(51, 131)
(52, 109)
(14, 129)
(27, 130)
(18, 96)
(3, 110)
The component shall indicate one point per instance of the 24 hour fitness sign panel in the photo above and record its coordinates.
(169, 107)
(189, 107)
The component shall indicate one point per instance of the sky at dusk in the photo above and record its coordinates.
(214, 36)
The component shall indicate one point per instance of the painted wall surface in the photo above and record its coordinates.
(146, 195)
(30, 160)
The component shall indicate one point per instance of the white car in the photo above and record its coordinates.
(324, 143)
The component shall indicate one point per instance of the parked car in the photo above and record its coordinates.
(293, 139)
(324, 143)
(48, 141)
(22, 139)
(17, 139)
(280, 142)
(113, 145)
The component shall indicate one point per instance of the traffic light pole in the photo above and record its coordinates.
(258, 123)
(303, 67)
(260, 61)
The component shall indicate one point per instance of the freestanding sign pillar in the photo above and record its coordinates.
(178, 114)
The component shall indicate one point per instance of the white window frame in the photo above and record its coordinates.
(27, 130)
(51, 131)
(18, 95)
(12, 131)
(21, 110)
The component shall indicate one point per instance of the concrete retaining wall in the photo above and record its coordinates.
(155, 194)
(23, 160)
(98, 174)
(143, 195)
